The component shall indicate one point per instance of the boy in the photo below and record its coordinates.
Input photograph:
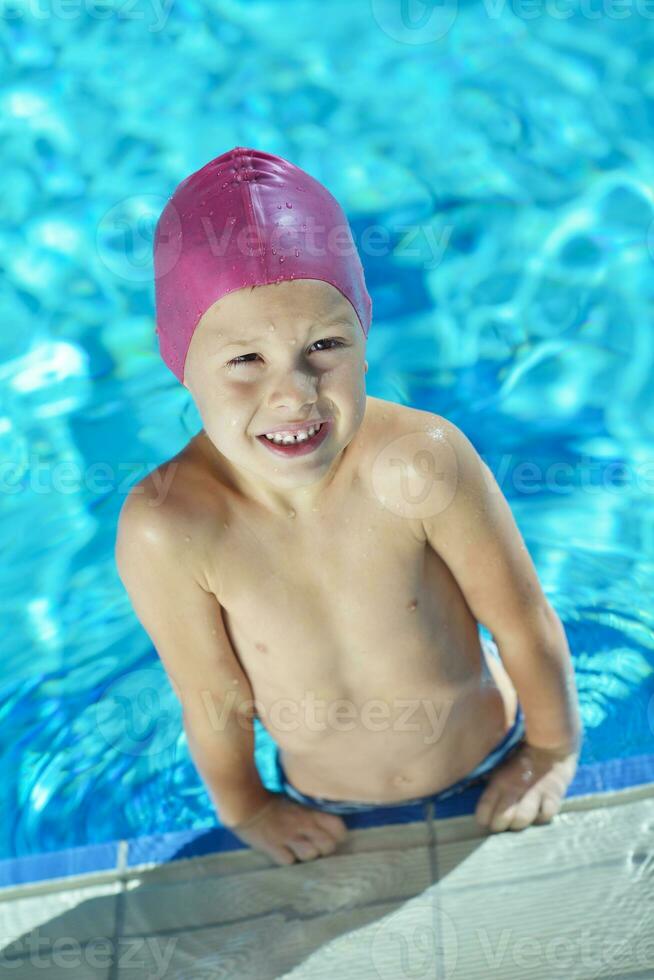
(342, 570)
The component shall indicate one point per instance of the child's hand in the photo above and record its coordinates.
(285, 830)
(527, 788)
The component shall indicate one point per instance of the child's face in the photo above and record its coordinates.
(291, 351)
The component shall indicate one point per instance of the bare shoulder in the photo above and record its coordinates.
(398, 420)
(422, 431)
(419, 459)
(171, 510)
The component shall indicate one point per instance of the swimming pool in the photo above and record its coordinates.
(507, 165)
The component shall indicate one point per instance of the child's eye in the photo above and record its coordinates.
(242, 358)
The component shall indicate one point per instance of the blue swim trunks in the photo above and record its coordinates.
(494, 757)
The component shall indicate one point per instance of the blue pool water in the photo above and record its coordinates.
(517, 149)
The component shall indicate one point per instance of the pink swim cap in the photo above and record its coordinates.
(247, 218)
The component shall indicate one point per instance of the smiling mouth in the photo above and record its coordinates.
(297, 447)
(292, 440)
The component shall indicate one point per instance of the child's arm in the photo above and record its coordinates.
(185, 623)
(475, 534)
(186, 627)
(477, 537)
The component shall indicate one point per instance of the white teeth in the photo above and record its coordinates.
(286, 438)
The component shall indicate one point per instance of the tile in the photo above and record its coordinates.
(397, 944)
(182, 845)
(384, 837)
(299, 891)
(159, 848)
(71, 964)
(58, 864)
(51, 886)
(613, 774)
(549, 925)
(572, 900)
(263, 949)
(80, 914)
(606, 834)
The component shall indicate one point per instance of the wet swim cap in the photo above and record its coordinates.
(247, 218)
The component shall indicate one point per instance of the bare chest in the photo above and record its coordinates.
(346, 608)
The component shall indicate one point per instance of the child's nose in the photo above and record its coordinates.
(295, 388)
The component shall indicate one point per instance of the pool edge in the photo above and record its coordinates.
(100, 863)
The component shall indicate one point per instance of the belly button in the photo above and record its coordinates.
(413, 605)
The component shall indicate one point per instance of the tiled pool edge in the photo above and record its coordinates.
(96, 863)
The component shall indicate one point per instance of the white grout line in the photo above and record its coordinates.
(121, 863)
